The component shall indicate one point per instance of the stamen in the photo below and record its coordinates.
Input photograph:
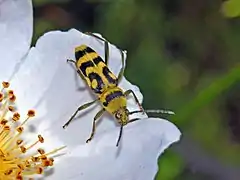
(3, 122)
(41, 151)
(20, 129)
(6, 128)
(35, 159)
(8, 172)
(23, 149)
(17, 162)
(5, 84)
(11, 108)
(19, 177)
(12, 98)
(39, 170)
(16, 116)
(19, 142)
(10, 92)
(31, 113)
(40, 139)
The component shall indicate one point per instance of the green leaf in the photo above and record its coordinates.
(231, 8)
(208, 94)
(170, 166)
(41, 26)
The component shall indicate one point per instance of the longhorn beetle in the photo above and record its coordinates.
(95, 72)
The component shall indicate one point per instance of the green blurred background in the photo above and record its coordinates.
(189, 50)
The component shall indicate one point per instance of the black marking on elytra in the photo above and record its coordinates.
(112, 96)
(81, 53)
(85, 65)
(106, 73)
(97, 60)
(94, 76)
(89, 50)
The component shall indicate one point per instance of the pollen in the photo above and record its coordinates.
(19, 159)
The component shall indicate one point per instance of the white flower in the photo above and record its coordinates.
(43, 81)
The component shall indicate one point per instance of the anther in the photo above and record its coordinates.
(19, 141)
(10, 92)
(43, 157)
(23, 149)
(8, 172)
(27, 163)
(12, 98)
(35, 159)
(20, 129)
(39, 170)
(51, 160)
(3, 122)
(16, 116)
(19, 177)
(6, 128)
(5, 84)
(41, 151)
(40, 139)
(11, 108)
(21, 166)
(31, 113)
(46, 163)
(19, 173)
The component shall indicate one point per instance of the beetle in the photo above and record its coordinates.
(104, 84)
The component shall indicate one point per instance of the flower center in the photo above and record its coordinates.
(19, 159)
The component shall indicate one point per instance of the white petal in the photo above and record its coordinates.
(135, 159)
(16, 24)
(51, 85)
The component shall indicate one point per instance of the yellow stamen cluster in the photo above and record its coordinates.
(18, 159)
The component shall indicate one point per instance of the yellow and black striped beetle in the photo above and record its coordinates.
(95, 72)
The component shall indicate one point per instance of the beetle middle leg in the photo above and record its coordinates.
(98, 115)
(84, 106)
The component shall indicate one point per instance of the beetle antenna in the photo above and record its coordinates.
(120, 135)
(159, 111)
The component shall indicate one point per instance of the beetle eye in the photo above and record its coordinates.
(118, 115)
